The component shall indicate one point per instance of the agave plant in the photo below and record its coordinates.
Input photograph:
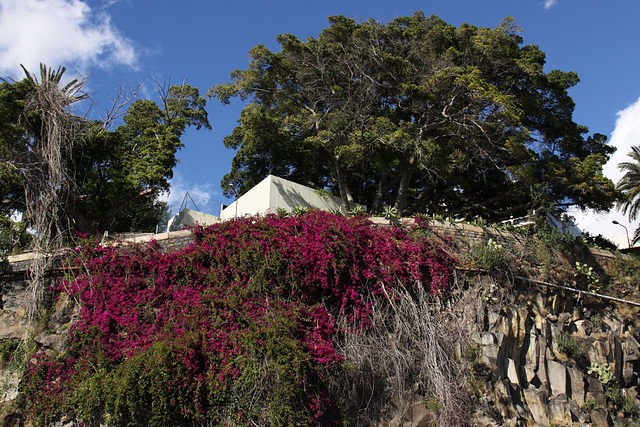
(357, 210)
(299, 210)
(282, 212)
(389, 212)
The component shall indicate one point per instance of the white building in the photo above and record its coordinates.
(273, 193)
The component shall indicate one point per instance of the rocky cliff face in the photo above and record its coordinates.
(547, 358)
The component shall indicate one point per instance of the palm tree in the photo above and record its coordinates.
(629, 185)
(46, 174)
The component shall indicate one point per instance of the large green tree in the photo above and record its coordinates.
(122, 172)
(114, 176)
(417, 114)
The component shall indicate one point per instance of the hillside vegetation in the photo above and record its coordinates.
(247, 325)
(319, 319)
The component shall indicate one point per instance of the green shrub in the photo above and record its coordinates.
(480, 221)
(554, 238)
(13, 237)
(570, 345)
(239, 326)
(8, 348)
(591, 404)
(602, 372)
(585, 275)
(599, 242)
(612, 389)
(620, 400)
(489, 256)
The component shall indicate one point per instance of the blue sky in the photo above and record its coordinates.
(137, 41)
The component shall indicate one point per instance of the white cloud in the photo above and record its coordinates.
(548, 4)
(202, 194)
(109, 3)
(625, 134)
(58, 32)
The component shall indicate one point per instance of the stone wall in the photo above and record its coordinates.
(174, 240)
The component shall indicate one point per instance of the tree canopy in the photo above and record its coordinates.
(114, 176)
(415, 114)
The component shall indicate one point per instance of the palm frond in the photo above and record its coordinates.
(629, 184)
(636, 237)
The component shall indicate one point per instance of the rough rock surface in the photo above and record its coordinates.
(545, 385)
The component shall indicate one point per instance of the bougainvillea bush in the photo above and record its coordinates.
(238, 328)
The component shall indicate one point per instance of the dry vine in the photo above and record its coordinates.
(408, 355)
(46, 173)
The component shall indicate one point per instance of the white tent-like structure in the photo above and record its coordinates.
(273, 193)
(189, 218)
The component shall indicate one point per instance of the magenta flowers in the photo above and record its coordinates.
(240, 324)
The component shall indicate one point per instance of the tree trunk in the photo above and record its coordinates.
(403, 188)
(345, 195)
(382, 188)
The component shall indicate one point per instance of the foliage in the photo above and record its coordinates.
(599, 241)
(611, 388)
(489, 256)
(112, 178)
(602, 372)
(620, 400)
(13, 236)
(626, 271)
(239, 327)
(282, 212)
(591, 404)
(8, 347)
(597, 320)
(480, 221)
(44, 163)
(358, 210)
(416, 114)
(551, 237)
(570, 345)
(5, 242)
(429, 217)
(629, 185)
(519, 229)
(389, 212)
(299, 210)
(586, 274)
(14, 354)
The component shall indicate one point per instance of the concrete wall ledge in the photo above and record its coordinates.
(454, 229)
(160, 237)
